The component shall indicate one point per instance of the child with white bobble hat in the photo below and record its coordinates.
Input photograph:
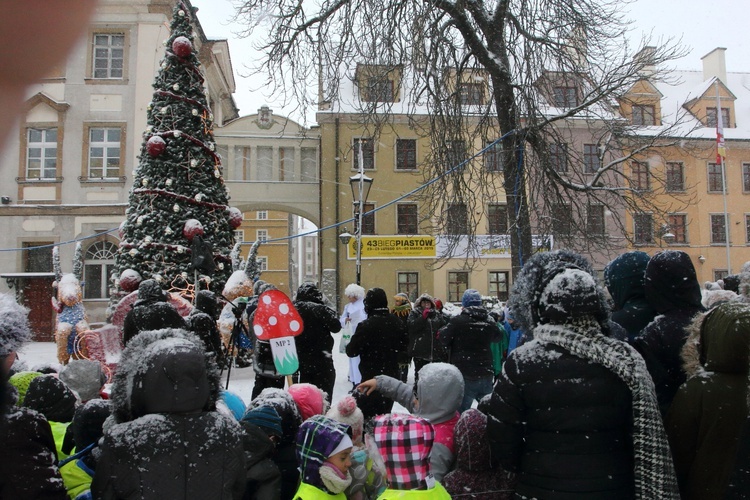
(367, 481)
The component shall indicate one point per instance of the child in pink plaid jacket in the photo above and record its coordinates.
(405, 442)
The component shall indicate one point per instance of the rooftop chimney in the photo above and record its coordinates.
(714, 65)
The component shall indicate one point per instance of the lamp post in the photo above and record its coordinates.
(361, 185)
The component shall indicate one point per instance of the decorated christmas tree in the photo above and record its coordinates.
(178, 227)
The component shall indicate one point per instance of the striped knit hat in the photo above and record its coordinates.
(317, 438)
(405, 443)
(266, 418)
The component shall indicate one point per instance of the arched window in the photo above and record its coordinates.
(97, 265)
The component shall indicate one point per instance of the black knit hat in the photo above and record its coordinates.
(266, 418)
(51, 397)
(88, 422)
(568, 293)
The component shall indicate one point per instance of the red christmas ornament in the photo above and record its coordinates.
(235, 217)
(155, 146)
(182, 46)
(192, 228)
(129, 280)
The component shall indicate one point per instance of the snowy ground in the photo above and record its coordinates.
(241, 380)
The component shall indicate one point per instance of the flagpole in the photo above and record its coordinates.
(720, 156)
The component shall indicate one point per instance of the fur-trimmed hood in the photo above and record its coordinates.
(153, 361)
(718, 340)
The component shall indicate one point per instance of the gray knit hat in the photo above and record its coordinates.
(14, 325)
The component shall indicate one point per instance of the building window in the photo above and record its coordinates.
(262, 215)
(368, 153)
(493, 158)
(287, 161)
(565, 97)
(746, 177)
(497, 216)
(558, 157)
(457, 219)
(408, 283)
(643, 229)
(747, 229)
(239, 235)
(720, 274)
(406, 154)
(718, 229)
(98, 263)
(41, 153)
(595, 219)
(715, 179)
(264, 165)
(105, 152)
(368, 220)
(261, 235)
(562, 222)
(678, 227)
(455, 153)
(458, 282)
(591, 162)
(263, 263)
(109, 55)
(309, 161)
(471, 94)
(644, 114)
(711, 117)
(379, 90)
(675, 176)
(498, 285)
(408, 218)
(640, 179)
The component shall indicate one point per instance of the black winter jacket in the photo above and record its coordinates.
(563, 424)
(423, 341)
(165, 440)
(672, 288)
(467, 339)
(315, 343)
(147, 316)
(378, 341)
(263, 475)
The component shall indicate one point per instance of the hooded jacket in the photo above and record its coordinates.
(405, 443)
(318, 436)
(467, 339)
(315, 343)
(708, 411)
(423, 330)
(625, 279)
(150, 312)
(202, 322)
(672, 288)
(440, 390)
(164, 424)
(474, 474)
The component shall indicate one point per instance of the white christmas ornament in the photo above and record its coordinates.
(181, 13)
(180, 249)
(195, 112)
(176, 208)
(168, 231)
(220, 266)
(144, 182)
(199, 197)
(148, 239)
(176, 87)
(169, 182)
(177, 133)
(193, 162)
(184, 274)
(217, 174)
(164, 65)
(164, 110)
(133, 252)
(211, 146)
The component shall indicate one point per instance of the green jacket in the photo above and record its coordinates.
(437, 492)
(77, 478)
(310, 492)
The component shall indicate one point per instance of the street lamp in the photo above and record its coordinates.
(361, 185)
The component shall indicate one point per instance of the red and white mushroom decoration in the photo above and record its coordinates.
(277, 321)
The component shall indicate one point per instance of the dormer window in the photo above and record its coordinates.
(379, 90)
(644, 114)
(711, 117)
(565, 97)
(471, 94)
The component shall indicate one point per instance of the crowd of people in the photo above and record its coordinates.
(634, 389)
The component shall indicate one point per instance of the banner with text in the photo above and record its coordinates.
(387, 247)
(490, 246)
